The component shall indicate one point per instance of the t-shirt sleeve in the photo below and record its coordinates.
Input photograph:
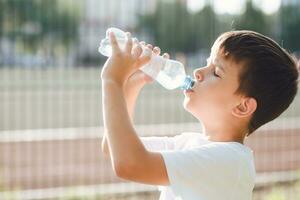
(200, 168)
(155, 143)
(161, 143)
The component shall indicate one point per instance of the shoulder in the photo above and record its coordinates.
(234, 149)
(213, 152)
(237, 155)
(189, 139)
(224, 153)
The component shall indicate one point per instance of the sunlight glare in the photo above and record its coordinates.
(268, 7)
(195, 5)
(229, 6)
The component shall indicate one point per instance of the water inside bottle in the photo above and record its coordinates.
(169, 73)
(105, 47)
(168, 82)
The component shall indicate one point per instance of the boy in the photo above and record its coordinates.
(248, 81)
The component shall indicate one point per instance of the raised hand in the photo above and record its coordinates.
(138, 79)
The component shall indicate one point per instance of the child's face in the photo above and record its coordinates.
(213, 98)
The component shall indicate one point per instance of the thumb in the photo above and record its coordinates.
(143, 76)
(148, 79)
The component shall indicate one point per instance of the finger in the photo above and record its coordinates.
(149, 46)
(128, 46)
(156, 50)
(113, 41)
(147, 51)
(146, 77)
(166, 56)
(143, 43)
(144, 60)
(135, 41)
(145, 57)
(137, 51)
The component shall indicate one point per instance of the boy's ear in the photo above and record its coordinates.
(245, 108)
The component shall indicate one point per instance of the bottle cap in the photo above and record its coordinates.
(188, 83)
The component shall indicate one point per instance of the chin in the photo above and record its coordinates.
(185, 104)
(189, 102)
(188, 106)
(191, 107)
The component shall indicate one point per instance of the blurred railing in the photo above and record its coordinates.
(50, 89)
(42, 161)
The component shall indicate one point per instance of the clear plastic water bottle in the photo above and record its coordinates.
(169, 73)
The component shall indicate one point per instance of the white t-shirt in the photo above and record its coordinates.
(199, 169)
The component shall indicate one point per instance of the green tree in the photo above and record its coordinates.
(290, 31)
(253, 19)
(169, 26)
(33, 21)
(204, 28)
(175, 29)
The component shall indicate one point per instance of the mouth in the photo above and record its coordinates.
(193, 83)
(188, 91)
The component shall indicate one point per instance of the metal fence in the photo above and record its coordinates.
(50, 91)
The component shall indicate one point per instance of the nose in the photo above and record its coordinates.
(198, 74)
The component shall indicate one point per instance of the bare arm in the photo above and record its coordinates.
(130, 95)
(132, 88)
(130, 159)
(139, 164)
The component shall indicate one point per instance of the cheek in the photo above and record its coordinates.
(199, 107)
(211, 99)
(218, 92)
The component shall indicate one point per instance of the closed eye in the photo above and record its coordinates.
(216, 74)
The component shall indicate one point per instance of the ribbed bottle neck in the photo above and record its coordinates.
(188, 83)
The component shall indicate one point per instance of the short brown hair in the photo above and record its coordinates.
(268, 73)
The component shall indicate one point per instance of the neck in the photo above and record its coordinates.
(217, 138)
(221, 136)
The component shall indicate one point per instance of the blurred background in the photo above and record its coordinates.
(50, 91)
